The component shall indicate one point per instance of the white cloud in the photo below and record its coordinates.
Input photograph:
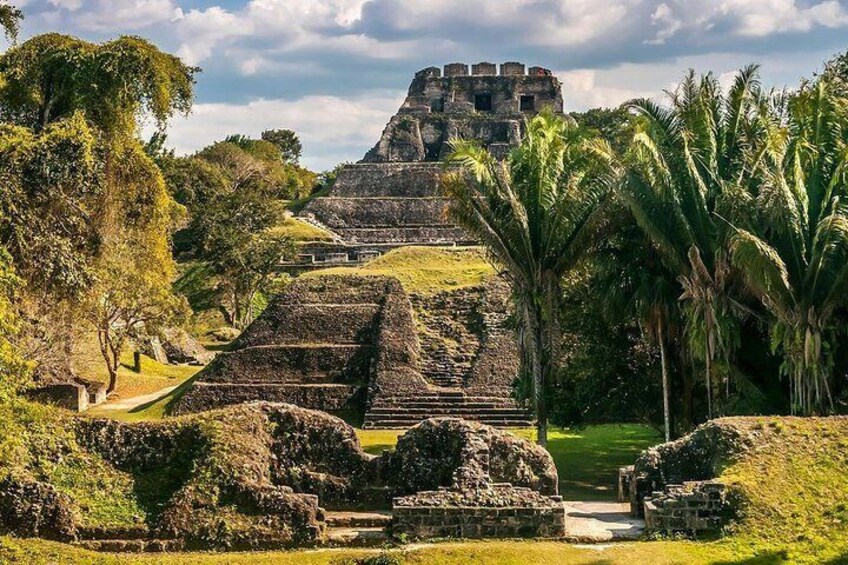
(331, 128)
(581, 90)
(745, 18)
(109, 15)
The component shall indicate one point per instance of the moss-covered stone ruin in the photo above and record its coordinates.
(257, 475)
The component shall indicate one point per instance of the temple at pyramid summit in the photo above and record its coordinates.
(363, 346)
(391, 197)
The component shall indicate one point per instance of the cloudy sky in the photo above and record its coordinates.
(336, 70)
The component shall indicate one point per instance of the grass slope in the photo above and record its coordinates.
(425, 270)
(153, 376)
(300, 231)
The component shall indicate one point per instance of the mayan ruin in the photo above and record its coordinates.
(459, 358)
(269, 294)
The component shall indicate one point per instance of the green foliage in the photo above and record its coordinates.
(52, 184)
(237, 242)
(287, 142)
(615, 125)
(793, 249)
(14, 369)
(686, 165)
(531, 214)
(52, 76)
(10, 21)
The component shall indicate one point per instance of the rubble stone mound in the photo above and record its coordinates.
(441, 451)
(260, 475)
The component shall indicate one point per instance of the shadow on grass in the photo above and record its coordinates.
(770, 558)
(167, 399)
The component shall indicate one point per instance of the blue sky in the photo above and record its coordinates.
(336, 70)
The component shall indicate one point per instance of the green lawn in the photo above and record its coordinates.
(587, 460)
(425, 270)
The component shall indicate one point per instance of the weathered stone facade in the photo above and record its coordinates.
(350, 344)
(463, 461)
(392, 198)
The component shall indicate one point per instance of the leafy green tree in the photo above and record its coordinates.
(10, 21)
(52, 183)
(794, 252)
(616, 125)
(14, 369)
(288, 143)
(687, 163)
(124, 301)
(90, 190)
(236, 241)
(531, 212)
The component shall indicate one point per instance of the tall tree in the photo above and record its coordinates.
(531, 212)
(794, 254)
(75, 106)
(686, 163)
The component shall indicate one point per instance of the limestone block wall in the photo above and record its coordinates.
(694, 506)
(380, 212)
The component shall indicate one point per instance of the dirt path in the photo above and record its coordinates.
(127, 404)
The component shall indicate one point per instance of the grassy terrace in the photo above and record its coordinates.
(425, 270)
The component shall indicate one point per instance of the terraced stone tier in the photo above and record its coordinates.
(388, 179)
(302, 363)
(407, 235)
(352, 212)
(330, 397)
(313, 323)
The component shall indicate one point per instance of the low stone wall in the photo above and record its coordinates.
(696, 506)
(500, 511)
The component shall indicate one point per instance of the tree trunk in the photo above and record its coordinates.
(709, 384)
(537, 369)
(105, 350)
(664, 365)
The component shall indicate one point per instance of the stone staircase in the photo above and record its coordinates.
(346, 528)
(405, 411)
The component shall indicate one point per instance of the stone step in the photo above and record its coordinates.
(351, 519)
(450, 405)
(406, 421)
(447, 410)
(360, 537)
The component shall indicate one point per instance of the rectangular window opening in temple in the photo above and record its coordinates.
(528, 102)
(483, 102)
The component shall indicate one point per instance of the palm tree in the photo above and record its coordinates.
(794, 257)
(685, 163)
(531, 212)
